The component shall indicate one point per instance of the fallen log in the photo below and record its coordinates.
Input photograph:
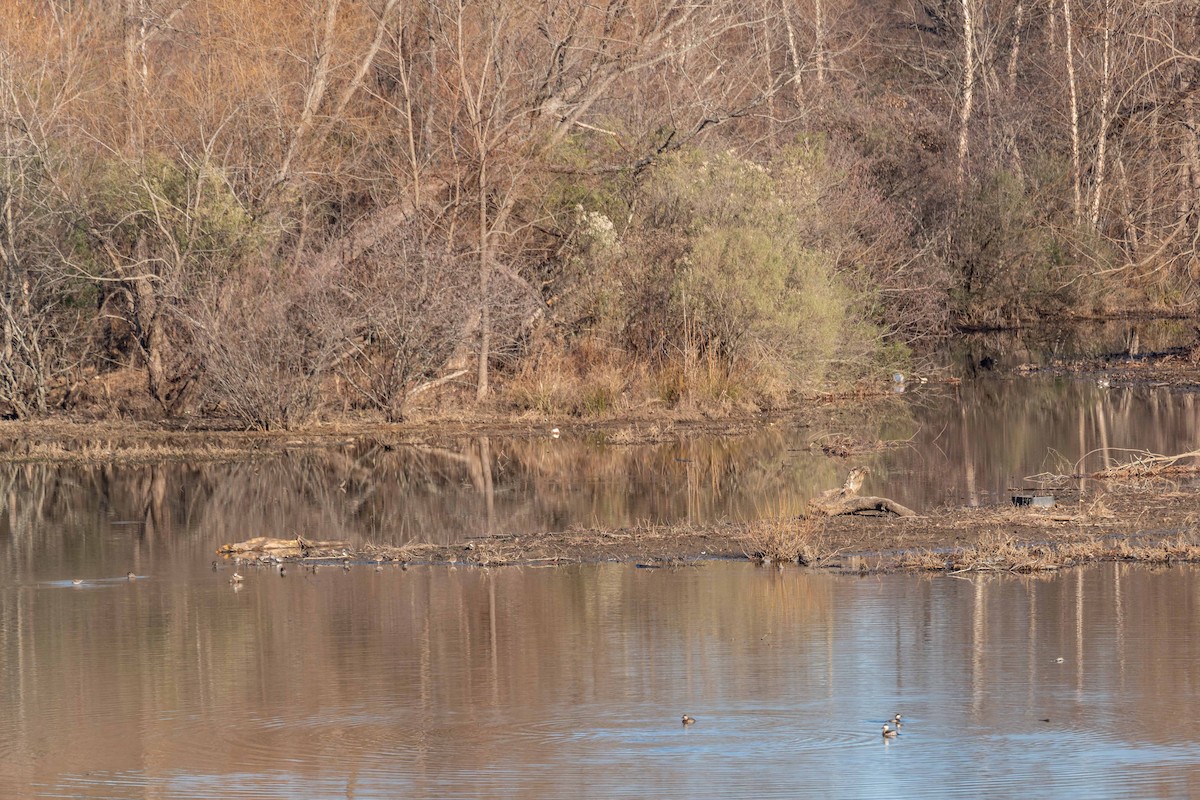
(839, 506)
(843, 501)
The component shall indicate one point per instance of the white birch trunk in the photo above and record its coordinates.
(1106, 92)
(1076, 169)
(1014, 52)
(968, 93)
(819, 43)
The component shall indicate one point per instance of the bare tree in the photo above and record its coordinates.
(40, 339)
(408, 301)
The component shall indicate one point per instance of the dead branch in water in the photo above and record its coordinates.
(1146, 464)
(1143, 464)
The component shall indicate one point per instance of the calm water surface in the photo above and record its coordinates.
(569, 682)
(438, 682)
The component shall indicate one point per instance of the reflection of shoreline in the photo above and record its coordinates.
(972, 447)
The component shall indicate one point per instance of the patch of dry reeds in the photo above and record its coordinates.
(1002, 553)
(116, 451)
(795, 539)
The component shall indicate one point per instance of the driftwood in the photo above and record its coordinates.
(838, 502)
(280, 547)
(838, 506)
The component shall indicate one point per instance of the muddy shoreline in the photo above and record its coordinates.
(1092, 519)
(1149, 520)
(89, 440)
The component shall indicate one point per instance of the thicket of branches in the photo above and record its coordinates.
(267, 209)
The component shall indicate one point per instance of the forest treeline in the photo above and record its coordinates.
(274, 211)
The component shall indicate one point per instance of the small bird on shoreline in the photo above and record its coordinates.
(688, 720)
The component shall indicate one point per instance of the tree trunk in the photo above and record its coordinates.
(819, 39)
(151, 336)
(793, 52)
(968, 94)
(485, 316)
(1014, 51)
(1076, 158)
(1106, 92)
(133, 30)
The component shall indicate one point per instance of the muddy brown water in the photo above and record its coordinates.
(569, 681)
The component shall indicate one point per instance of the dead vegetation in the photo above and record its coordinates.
(1140, 464)
(1005, 553)
(797, 540)
(1146, 464)
(1153, 522)
(779, 541)
(842, 445)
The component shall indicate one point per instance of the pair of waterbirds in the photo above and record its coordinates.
(889, 732)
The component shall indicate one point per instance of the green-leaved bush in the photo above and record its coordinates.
(725, 279)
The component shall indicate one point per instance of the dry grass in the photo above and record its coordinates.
(588, 380)
(1002, 553)
(104, 451)
(841, 445)
(780, 539)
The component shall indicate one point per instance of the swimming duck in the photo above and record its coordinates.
(896, 720)
(236, 578)
(687, 720)
(889, 733)
(76, 581)
(130, 576)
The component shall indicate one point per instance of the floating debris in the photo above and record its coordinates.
(279, 547)
(1030, 499)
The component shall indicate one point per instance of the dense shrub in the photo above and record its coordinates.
(729, 267)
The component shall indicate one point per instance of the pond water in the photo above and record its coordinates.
(570, 681)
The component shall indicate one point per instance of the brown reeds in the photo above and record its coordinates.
(780, 539)
(1002, 553)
